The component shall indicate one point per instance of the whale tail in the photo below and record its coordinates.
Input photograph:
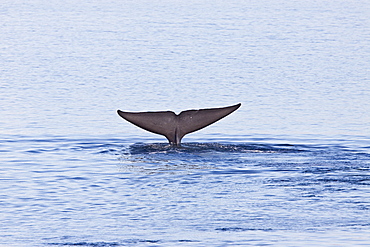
(175, 127)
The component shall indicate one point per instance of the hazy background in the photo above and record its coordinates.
(297, 67)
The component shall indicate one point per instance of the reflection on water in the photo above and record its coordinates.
(188, 148)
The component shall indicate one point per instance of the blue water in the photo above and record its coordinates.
(291, 167)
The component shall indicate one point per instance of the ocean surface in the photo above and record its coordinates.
(291, 167)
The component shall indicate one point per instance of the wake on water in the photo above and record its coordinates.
(228, 158)
(248, 186)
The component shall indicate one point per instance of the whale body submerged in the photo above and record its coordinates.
(174, 127)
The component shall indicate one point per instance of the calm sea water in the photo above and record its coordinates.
(289, 168)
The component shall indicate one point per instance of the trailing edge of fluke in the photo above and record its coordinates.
(175, 127)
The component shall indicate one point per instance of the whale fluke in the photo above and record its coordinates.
(175, 127)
